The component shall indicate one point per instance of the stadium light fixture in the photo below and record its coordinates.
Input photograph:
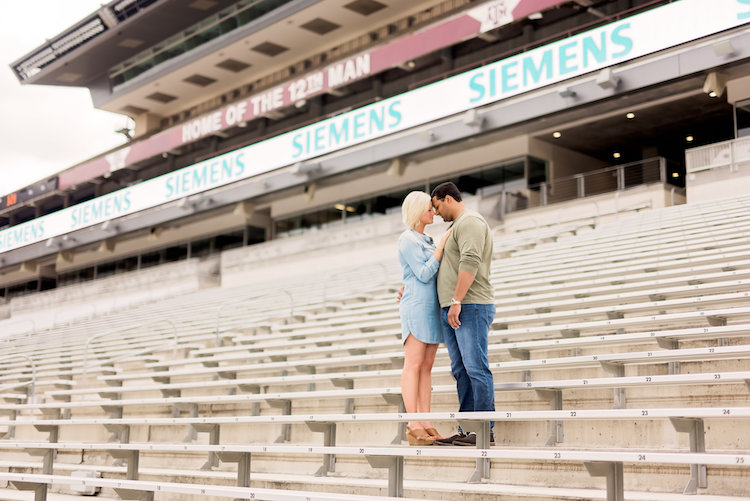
(607, 80)
(723, 48)
(472, 119)
(408, 65)
(396, 168)
(630, 116)
(715, 84)
(557, 134)
(428, 135)
(690, 139)
(110, 227)
(616, 154)
(310, 190)
(306, 168)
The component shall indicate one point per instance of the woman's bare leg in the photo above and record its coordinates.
(414, 351)
(424, 396)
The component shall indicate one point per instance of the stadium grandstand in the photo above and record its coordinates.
(209, 311)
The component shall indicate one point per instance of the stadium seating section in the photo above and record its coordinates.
(619, 351)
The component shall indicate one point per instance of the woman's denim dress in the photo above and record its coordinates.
(420, 309)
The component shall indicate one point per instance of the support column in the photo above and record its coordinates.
(693, 426)
(255, 389)
(49, 455)
(614, 473)
(347, 384)
(132, 458)
(395, 465)
(243, 465)
(120, 432)
(554, 397)
(40, 490)
(12, 415)
(329, 440)
(214, 432)
(397, 399)
(286, 409)
(617, 370)
(483, 430)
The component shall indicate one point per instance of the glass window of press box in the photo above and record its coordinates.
(511, 174)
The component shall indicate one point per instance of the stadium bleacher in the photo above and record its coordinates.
(619, 355)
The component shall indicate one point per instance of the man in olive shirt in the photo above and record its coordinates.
(467, 304)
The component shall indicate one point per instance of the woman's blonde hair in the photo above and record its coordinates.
(415, 204)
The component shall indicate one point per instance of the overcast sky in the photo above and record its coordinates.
(45, 129)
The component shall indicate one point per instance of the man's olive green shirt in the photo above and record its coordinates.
(469, 248)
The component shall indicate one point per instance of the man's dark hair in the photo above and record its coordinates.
(444, 189)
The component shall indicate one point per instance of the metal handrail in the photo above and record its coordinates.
(584, 175)
(33, 373)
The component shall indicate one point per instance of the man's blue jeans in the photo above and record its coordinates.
(467, 347)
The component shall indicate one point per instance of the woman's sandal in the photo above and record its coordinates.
(418, 436)
(433, 433)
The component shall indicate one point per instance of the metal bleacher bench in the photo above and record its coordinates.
(598, 463)
(686, 420)
(312, 364)
(547, 390)
(285, 347)
(666, 339)
(145, 490)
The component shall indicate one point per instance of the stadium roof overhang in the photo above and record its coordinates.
(297, 32)
(665, 77)
(650, 86)
(118, 40)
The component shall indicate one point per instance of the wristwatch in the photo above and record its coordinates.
(455, 301)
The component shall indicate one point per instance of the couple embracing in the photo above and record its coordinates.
(446, 297)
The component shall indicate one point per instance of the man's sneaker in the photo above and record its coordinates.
(449, 440)
(471, 439)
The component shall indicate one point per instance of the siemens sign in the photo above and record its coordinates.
(529, 71)
(651, 31)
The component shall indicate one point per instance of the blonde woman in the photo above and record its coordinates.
(420, 311)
